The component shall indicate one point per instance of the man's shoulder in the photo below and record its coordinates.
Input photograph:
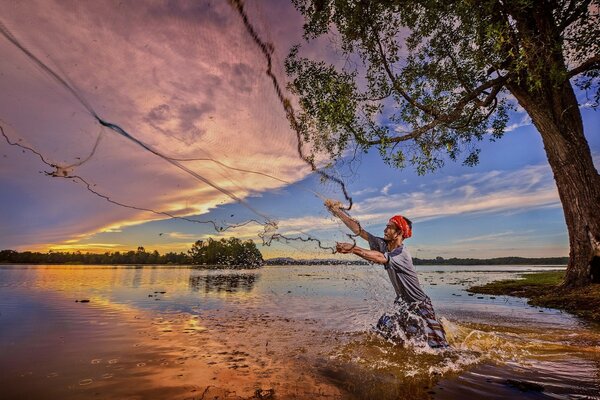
(371, 236)
(401, 257)
(375, 242)
(377, 239)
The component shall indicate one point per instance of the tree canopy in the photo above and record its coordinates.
(224, 253)
(426, 80)
(232, 252)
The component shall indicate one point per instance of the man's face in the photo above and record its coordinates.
(391, 231)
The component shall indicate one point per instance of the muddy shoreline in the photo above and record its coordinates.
(544, 290)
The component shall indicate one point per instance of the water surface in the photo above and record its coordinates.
(288, 331)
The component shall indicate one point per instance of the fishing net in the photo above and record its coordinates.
(137, 114)
(166, 110)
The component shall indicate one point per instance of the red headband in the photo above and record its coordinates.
(403, 225)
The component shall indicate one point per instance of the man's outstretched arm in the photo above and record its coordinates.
(353, 225)
(369, 255)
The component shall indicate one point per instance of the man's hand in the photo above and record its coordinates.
(369, 255)
(344, 248)
(337, 209)
(333, 205)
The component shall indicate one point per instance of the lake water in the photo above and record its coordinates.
(278, 332)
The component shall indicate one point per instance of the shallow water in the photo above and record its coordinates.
(283, 331)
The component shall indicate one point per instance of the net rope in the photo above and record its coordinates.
(269, 225)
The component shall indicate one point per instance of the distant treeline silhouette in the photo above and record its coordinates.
(141, 256)
(231, 253)
(217, 253)
(492, 261)
(433, 261)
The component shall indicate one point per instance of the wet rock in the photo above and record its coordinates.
(524, 386)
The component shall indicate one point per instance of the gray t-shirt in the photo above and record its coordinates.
(400, 270)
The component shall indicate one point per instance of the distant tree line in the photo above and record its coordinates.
(222, 253)
(493, 261)
(433, 261)
(141, 256)
(232, 253)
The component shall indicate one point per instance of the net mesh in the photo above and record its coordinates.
(172, 110)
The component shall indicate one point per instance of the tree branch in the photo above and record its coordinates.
(497, 85)
(438, 118)
(396, 85)
(471, 95)
(409, 136)
(589, 64)
(574, 10)
(378, 98)
(459, 76)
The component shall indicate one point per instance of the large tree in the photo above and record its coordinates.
(426, 80)
(230, 252)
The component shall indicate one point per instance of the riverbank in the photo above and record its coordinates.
(542, 290)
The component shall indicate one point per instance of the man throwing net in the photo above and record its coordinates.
(414, 318)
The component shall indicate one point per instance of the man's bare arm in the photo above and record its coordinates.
(353, 225)
(369, 255)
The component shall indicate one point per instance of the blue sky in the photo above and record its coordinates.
(220, 104)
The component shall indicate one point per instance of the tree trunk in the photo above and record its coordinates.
(556, 115)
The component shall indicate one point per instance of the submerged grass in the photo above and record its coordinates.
(543, 290)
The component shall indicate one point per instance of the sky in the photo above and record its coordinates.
(185, 79)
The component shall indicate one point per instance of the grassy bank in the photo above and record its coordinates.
(543, 290)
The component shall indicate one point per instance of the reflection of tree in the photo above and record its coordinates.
(137, 276)
(223, 283)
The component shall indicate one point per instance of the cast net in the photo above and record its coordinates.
(164, 111)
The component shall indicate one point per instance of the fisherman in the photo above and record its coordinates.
(415, 315)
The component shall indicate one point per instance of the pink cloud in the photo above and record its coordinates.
(183, 77)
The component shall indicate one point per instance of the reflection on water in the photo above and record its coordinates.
(288, 332)
(216, 283)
